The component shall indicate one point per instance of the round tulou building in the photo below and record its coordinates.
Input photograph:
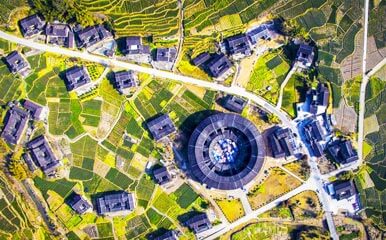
(226, 151)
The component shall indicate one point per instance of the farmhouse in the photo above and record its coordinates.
(161, 175)
(17, 64)
(281, 143)
(161, 127)
(234, 103)
(92, 35)
(219, 66)
(319, 99)
(133, 46)
(32, 25)
(198, 223)
(79, 204)
(342, 190)
(237, 46)
(305, 56)
(168, 235)
(76, 77)
(35, 110)
(60, 34)
(165, 54)
(342, 151)
(314, 134)
(15, 125)
(42, 155)
(201, 59)
(115, 202)
(265, 31)
(124, 80)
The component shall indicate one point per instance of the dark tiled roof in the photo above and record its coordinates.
(28, 160)
(319, 97)
(161, 127)
(161, 175)
(238, 44)
(344, 190)
(124, 80)
(316, 148)
(78, 204)
(218, 65)
(57, 30)
(280, 143)
(34, 108)
(234, 103)
(133, 45)
(42, 154)
(165, 54)
(169, 235)
(199, 223)
(201, 59)
(115, 202)
(15, 123)
(15, 62)
(265, 31)
(342, 151)
(92, 35)
(305, 54)
(314, 131)
(31, 25)
(76, 76)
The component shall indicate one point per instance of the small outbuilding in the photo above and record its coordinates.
(234, 103)
(161, 175)
(79, 204)
(305, 56)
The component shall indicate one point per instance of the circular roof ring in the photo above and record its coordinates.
(226, 151)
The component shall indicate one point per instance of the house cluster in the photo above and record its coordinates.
(219, 66)
(344, 195)
(93, 38)
(17, 64)
(282, 143)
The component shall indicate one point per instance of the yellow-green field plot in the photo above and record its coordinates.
(232, 208)
(277, 183)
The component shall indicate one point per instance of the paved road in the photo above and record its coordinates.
(365, 78)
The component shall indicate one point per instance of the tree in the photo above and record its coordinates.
(272, 118)
(15, 167)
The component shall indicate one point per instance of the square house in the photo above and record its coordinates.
(32, 25)
(342, 190)
(234, 103)
(125, 80)
(79, 204)
(219, 66)
(60, 34)
(237, 46)
(342, 151)
(43, 156)
(305, 56)
(168, 235)
(199, 223)
(133, 46)
(17, 63)
(161, 175)
(16, 122)
(35, 110)
(165, 55)
(266, 31)
(115, 203)
(161, 127)
(281, 144)
(76, 77)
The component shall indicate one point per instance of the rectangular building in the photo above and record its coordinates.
(133, 46)
(342, 151)
(199, 223)
(124, 80)
(234, 103)
(281, 143)
(35, 110)
(165, 54)
(115, 202)
(265, 31)
(60, 34)
(238, 45)
(161, 175)
(305, 56)
(219, 65)
(92, 35)
(16, 122)
(79, 204)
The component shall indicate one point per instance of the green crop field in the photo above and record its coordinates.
(376, 160)
(185, 195)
